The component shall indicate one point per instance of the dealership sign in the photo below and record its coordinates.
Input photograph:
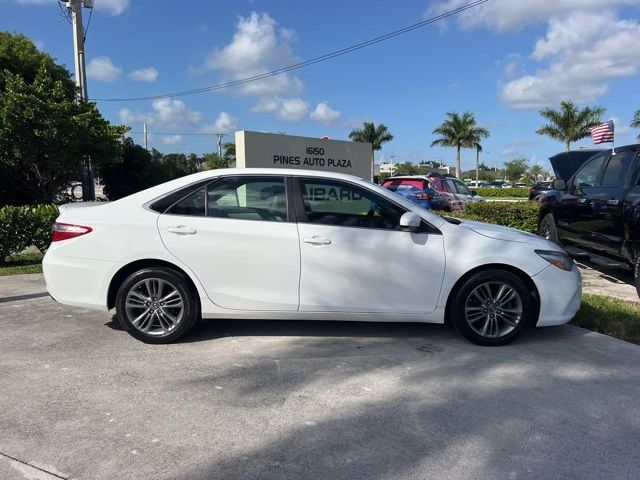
(270, 150)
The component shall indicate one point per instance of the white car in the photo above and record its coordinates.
(291, 244)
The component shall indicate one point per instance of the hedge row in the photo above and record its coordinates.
(21, 227)
(503, 192)
(520, 215)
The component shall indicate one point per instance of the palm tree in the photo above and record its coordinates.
(460, 131)
(478, 150)
(535, 172)
(635, 123)
(570, 123)
(376, 136)
(369, 133)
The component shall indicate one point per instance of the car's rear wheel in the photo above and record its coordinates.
(548, 228)
(492, 307)
(156, 305)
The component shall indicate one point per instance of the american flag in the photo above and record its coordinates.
(602, 133)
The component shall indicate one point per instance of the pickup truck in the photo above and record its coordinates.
(593, 208)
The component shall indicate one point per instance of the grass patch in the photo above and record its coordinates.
(609, 316)
(21, 263)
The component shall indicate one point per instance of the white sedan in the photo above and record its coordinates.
(292, 244)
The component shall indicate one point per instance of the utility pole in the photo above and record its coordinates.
(144, 128)
(391, 158)
(219, 143)
(75, 7)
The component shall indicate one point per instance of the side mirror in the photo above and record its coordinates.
(559, 184)
(474, 193)
(411, 222)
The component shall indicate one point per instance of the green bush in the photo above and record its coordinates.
(520, 192)
(21, 227)
(520, 215)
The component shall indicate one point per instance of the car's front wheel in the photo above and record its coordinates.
(156, 305)
(492, 307)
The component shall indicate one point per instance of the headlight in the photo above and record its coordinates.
(559, 259)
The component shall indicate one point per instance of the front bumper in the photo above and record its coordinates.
(560, 295)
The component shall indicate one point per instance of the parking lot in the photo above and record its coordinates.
(82, 399)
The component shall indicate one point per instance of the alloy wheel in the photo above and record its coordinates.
(493, 309)
(154, 306)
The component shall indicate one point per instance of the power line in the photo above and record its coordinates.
(174, 133)
(86, 30)
(306, 63)
(64, 13)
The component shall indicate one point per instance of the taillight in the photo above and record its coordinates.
(65, 231)
(422, 196)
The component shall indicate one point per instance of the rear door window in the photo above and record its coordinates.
(618, 169)
(242, 198)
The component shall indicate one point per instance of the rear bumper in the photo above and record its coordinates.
(78, 282)
(560, 295)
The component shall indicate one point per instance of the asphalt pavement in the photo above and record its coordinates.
(79, 398)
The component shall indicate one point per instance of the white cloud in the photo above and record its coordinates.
(172, 139)
(102, 69)
(144, 75)
(256, 48)
(324, 114)
(584, 51)
(513, 66)
(112, 7)
(225, 123)
(585, 46)
(174, 113)
(167, 112)
(130, 117)
(288, 109)
(512, 15)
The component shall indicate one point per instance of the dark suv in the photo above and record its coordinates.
(594, 206)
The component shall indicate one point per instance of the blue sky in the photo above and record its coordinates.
(502, 61)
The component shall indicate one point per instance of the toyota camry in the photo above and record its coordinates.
(292, 244)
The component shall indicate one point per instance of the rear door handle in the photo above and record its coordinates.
(613, 201)
(182, 230)
(317, 240)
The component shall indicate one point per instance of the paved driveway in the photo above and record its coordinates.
(320, 400)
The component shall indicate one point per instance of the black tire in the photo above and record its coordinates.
(160, 329)
(465, 296)
(547, 228)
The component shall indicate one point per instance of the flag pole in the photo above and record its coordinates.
(613, 137)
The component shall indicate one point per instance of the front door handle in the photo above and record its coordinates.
(317, 240)
(182, 230)
(613, 201)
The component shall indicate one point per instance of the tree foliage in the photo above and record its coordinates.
(516, 168)
(536, 172)
(635, 123)
(459, 131)
(369, 133)
(44, 133)
(136, 170)
(570, 123)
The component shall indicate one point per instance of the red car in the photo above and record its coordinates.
(456, 194)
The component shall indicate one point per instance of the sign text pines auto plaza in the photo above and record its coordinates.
(269, 150)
